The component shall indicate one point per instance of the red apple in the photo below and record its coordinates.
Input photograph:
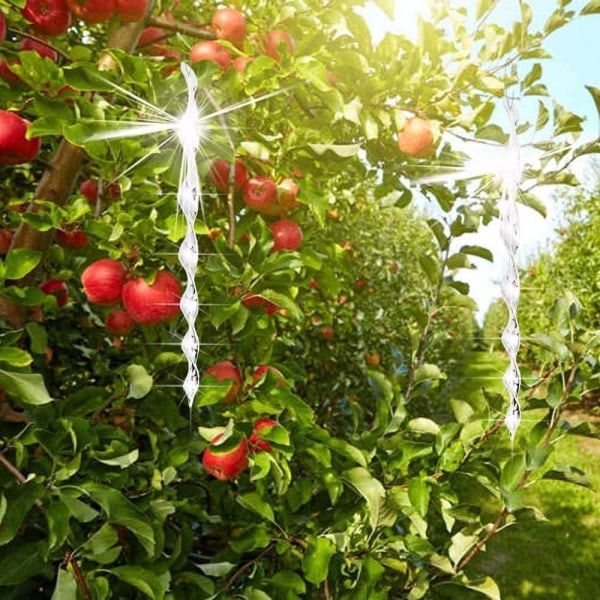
(89, 189)
(56, 288)
(6, 236)
(15, 148)
(287, 191)
(239, 63)
(73, 238)
(132, 10)
(261, 371)
(48, 17)
(170, 55)
(274, 39)
(2, 28)
(260, 193)
(416, 138)
(151, 40)
(6, 73)
(251, 299)
(227, 371)
(219, 174)
(103, 281)
(210, 50)
(92, 11)
(118, 322)
(287, 235)
(151, 303)
(327, 332)
(257, 442)
(225, 465)
(41, 49)
(229, 24)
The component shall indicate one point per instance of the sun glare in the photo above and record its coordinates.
(405, 21)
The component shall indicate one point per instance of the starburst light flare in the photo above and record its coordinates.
(510, 287)
(189, 200)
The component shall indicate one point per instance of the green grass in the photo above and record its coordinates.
(558, 558)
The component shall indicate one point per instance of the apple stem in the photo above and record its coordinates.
(510, 286)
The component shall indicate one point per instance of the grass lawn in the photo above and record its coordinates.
(558, 558)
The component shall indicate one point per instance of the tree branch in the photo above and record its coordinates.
(204, 33)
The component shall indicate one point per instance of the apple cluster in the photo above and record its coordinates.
(229, 25)
(228, 461)
(264, 196)
(106, 282)
(54, 17)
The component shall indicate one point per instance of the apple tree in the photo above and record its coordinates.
(317, 460)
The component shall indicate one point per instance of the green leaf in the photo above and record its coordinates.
(314, 72)
(341, 150)
(532, 76)
(492, 132)
(428, 372)
(140, 381)
(461, 543)
(594, 91)
(283, 301)
(369, 488)
(15, 357)
(458, 261)
(556, 347)
(316, 559)
(512, 472)
(217, 569)
(29, 388)
(418, 493)
(555, 21)
(591, 8)
(543, 116)
(423, 425)
(38, 337)
(253, 502)
(290, 582)
(484, 7)
(58, 516)
(479, 251)
(122, 511)
(533, 202)
(103, 547)
(567, 122)
(148, 582)
(251, 538)
(19, 501)
(20, 262)
(21, 561)
(66, 585)
(484, 585)
(82, 77)
(569, 474)
(123, 460)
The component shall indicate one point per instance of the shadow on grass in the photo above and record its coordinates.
(557, 559)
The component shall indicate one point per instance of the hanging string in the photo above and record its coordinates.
(510, 287)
